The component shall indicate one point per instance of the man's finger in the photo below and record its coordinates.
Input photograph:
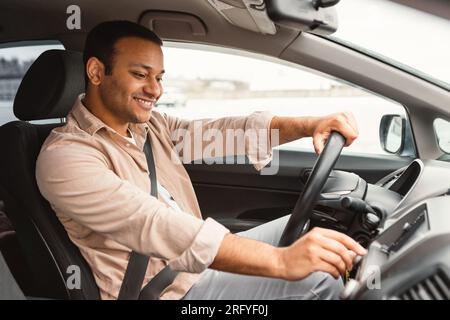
(333, 259)
(352, 121)
(339, 249)
(319, 143)
(328, 268)
(347, 131)
(348, 242)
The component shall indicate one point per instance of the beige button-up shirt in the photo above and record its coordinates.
(97, 183)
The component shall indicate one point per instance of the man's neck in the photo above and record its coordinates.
(99, 111)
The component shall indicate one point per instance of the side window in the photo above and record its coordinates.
(202, 84)
(14, 63)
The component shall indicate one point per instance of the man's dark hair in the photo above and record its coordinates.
(102, 38)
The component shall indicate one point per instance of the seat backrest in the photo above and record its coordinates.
(9, 290)
(47, 91)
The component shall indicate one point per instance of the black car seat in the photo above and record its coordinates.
(12, 253)
(47, 91)
(9, 290)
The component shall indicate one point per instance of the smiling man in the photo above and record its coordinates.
(94, 173)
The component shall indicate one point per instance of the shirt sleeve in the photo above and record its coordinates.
(228, 136)
(77, 182)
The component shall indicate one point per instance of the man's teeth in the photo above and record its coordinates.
(146, 102)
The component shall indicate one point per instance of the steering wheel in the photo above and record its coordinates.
(304, 207)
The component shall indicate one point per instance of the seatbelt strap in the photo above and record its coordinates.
(157, 284)
(165, 277)
(137, 265)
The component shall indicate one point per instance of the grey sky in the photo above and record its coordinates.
(412, 37)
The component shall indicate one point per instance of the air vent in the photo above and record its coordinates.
(390, 181)
(435, 287)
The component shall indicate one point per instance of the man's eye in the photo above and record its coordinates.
(139, 75)
(159, 79)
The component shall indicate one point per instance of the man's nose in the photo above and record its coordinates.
(153, 88)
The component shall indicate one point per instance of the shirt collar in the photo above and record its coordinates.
(91, 124)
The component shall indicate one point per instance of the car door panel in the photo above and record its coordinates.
(240, 197)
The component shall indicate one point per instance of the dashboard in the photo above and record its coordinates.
(409, 259)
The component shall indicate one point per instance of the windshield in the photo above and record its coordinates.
(413, 38)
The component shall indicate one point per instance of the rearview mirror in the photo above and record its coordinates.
(315, 16)
(392, 133)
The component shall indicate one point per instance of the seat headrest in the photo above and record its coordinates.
(49, 88)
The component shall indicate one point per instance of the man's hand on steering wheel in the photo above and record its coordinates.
(319, 250)
(320, 129)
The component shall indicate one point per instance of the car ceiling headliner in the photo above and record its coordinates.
(33, 20)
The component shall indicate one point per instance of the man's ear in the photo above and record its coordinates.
(95, 70)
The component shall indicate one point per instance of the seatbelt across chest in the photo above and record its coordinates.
(137, 265)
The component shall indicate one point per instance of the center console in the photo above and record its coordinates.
(410, 258)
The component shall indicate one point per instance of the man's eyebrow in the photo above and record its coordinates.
(145, 66)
